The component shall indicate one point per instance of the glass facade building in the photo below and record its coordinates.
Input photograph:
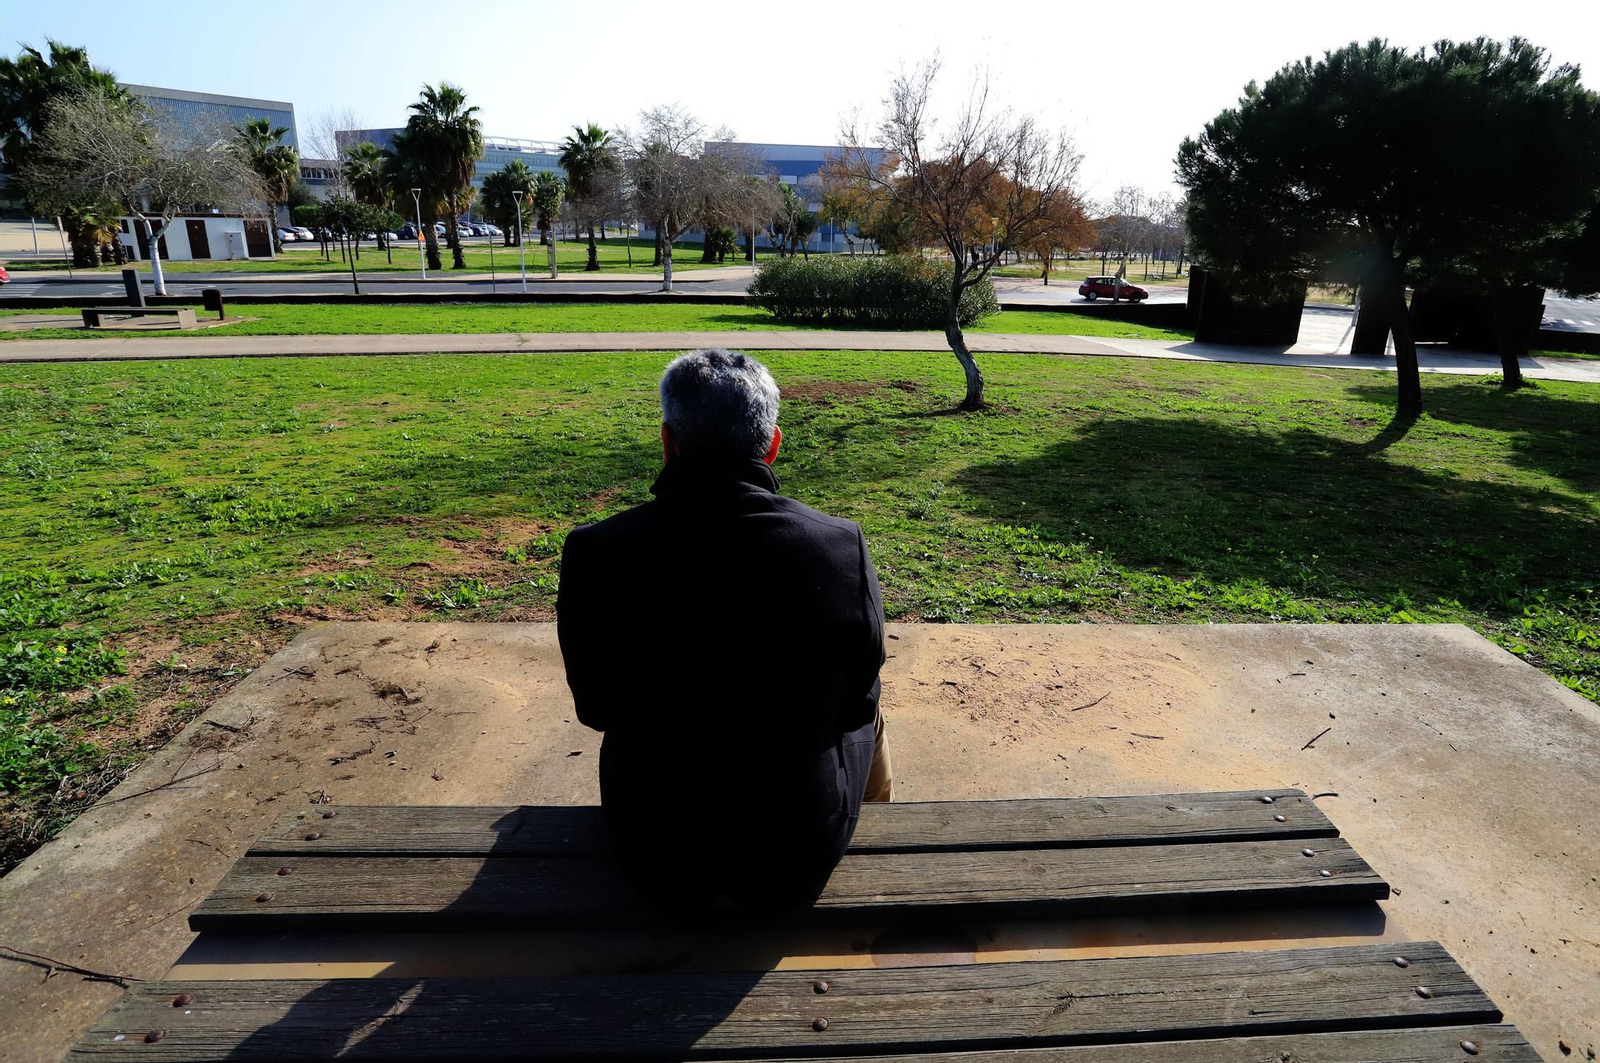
(193, 111)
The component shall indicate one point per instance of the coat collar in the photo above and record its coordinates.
(686, 476)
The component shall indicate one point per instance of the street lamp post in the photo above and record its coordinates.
(422, 254)
(522, 255)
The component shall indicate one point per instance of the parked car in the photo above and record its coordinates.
(287, 236)
(305, 234)
(1112, 288)
(407, 232)
(493, 230)
(5, 278)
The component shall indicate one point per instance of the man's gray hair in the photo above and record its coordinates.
(720, 403)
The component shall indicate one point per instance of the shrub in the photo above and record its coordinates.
(897, 291)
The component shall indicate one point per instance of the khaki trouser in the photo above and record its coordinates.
(880, 780)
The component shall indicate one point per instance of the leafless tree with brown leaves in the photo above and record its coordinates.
(990, 182)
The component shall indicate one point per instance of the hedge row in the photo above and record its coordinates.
(895, 291)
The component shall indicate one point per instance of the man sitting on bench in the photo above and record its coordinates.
(727, 640)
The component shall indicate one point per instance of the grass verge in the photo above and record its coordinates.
(283, 319)
(166, 525)
(571, 257)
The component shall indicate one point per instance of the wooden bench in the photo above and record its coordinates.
(326, 874)
(184, 315)
(545, 868)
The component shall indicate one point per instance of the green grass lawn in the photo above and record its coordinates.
(571, 257)
(164, 526)
(282, 319)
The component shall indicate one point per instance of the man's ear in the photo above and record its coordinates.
(777, 441)
(669, 446)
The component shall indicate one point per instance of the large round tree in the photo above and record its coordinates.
(1465, 164)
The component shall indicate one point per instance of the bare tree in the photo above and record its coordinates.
(101, 149)
(321, 136)
(987, 185)
(675, 184)
(1127, 224)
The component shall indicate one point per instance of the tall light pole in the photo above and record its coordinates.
(422, 253)
(522, 255)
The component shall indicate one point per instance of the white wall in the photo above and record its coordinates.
(177, 236)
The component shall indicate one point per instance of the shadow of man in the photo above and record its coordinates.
(548, 870)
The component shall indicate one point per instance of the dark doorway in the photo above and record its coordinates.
(141, 229)
(257, 240)
(199, 242)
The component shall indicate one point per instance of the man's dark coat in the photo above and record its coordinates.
(727, 640)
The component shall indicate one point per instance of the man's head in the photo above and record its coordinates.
(717, 403)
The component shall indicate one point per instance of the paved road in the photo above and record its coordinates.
(1571, 315)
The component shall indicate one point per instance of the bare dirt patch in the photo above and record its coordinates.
(829, 391)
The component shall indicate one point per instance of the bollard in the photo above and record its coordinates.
(211, 299)
(130, 281)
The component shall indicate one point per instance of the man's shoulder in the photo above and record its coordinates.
(629, 521)
(824, 522)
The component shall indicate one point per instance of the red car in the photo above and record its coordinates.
(1093, 288)
(5, 278)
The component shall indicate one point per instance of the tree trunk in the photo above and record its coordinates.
(657, 261)
(452, 235)
(1371, 333)
(430, 239)
(354, 282)
(666, 264)
(1515, 314)
(1409, 406)
(708, 250)
(593, 265)
(958, 343)
(158, 280)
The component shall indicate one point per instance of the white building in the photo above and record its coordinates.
(201, 236)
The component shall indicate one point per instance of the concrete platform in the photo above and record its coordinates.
(1465, 776)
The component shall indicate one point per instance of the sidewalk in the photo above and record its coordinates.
(200, 345)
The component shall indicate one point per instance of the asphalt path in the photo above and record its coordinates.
(1571, 315)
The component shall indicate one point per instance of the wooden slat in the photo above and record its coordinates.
(931, 826)
(765, 1015)
(333, 893)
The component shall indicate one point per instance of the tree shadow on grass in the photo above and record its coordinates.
(1547, 432)
(1313, 515)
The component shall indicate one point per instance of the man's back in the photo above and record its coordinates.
(727, 640)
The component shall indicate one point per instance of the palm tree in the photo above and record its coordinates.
(406, 168)
(277, 164)
(501, 204)
(28, 85)
(548, 192)
(448, 142)
(364, 174)
(590, 158)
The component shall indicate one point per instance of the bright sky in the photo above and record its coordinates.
(1128, 79)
